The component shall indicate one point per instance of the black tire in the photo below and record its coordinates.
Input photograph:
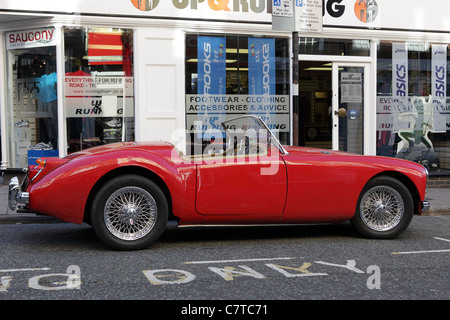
(129, 212)
(384, 209)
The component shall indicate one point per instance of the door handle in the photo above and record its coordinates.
(341, 112)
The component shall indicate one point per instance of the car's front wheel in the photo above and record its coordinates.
(129, 212)
(384, 210)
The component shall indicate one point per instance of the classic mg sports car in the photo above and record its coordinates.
(129, 192)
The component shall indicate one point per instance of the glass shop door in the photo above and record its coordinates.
(349, 106)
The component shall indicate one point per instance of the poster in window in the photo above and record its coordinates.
(211, 65)
(261, 66)
(211, 69)
(351, 87)
(261, 74)
(439, 86)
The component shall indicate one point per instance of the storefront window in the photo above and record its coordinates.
(413, 103)
(233, 75)
(32, 96)
(98, 88)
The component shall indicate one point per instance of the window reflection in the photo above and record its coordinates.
(414, 125)
(32, 97)
(335, 47)
(99, 94)
(216, 62)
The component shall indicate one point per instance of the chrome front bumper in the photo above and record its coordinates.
(16, 197)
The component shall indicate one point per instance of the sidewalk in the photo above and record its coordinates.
(439, 201)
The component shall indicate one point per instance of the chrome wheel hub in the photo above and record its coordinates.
(381, 208)
(130, 213)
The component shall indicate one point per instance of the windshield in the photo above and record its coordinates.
(249, 135)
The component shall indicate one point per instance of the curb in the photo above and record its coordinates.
(27, 218)
(437, 212)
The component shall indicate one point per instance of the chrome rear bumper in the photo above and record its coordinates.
(16, 197)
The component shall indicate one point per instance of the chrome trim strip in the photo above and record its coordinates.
(39, 172)
(278, 143)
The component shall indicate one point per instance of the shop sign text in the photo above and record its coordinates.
(30, 39)
(255, 6)
(206, 112)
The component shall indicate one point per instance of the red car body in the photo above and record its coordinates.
(301, 185)
(312, 185)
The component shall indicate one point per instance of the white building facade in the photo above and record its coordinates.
(372, 80)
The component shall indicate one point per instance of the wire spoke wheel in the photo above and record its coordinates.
(384, 210)
(130, 213)
(381, 208)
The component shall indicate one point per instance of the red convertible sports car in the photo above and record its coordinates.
(129, 192)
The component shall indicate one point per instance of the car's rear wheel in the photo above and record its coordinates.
(384, 210)
(129, 212)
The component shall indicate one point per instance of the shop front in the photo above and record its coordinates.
(136, 71)
(33, 121)
(413, 110)
(231, 75)
(376, 82)
(387, 98)
(335, 107)
(373, 80)
(95, 105)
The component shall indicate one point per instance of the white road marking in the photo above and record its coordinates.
(25, 269)
(424, 251)
(239, 260)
